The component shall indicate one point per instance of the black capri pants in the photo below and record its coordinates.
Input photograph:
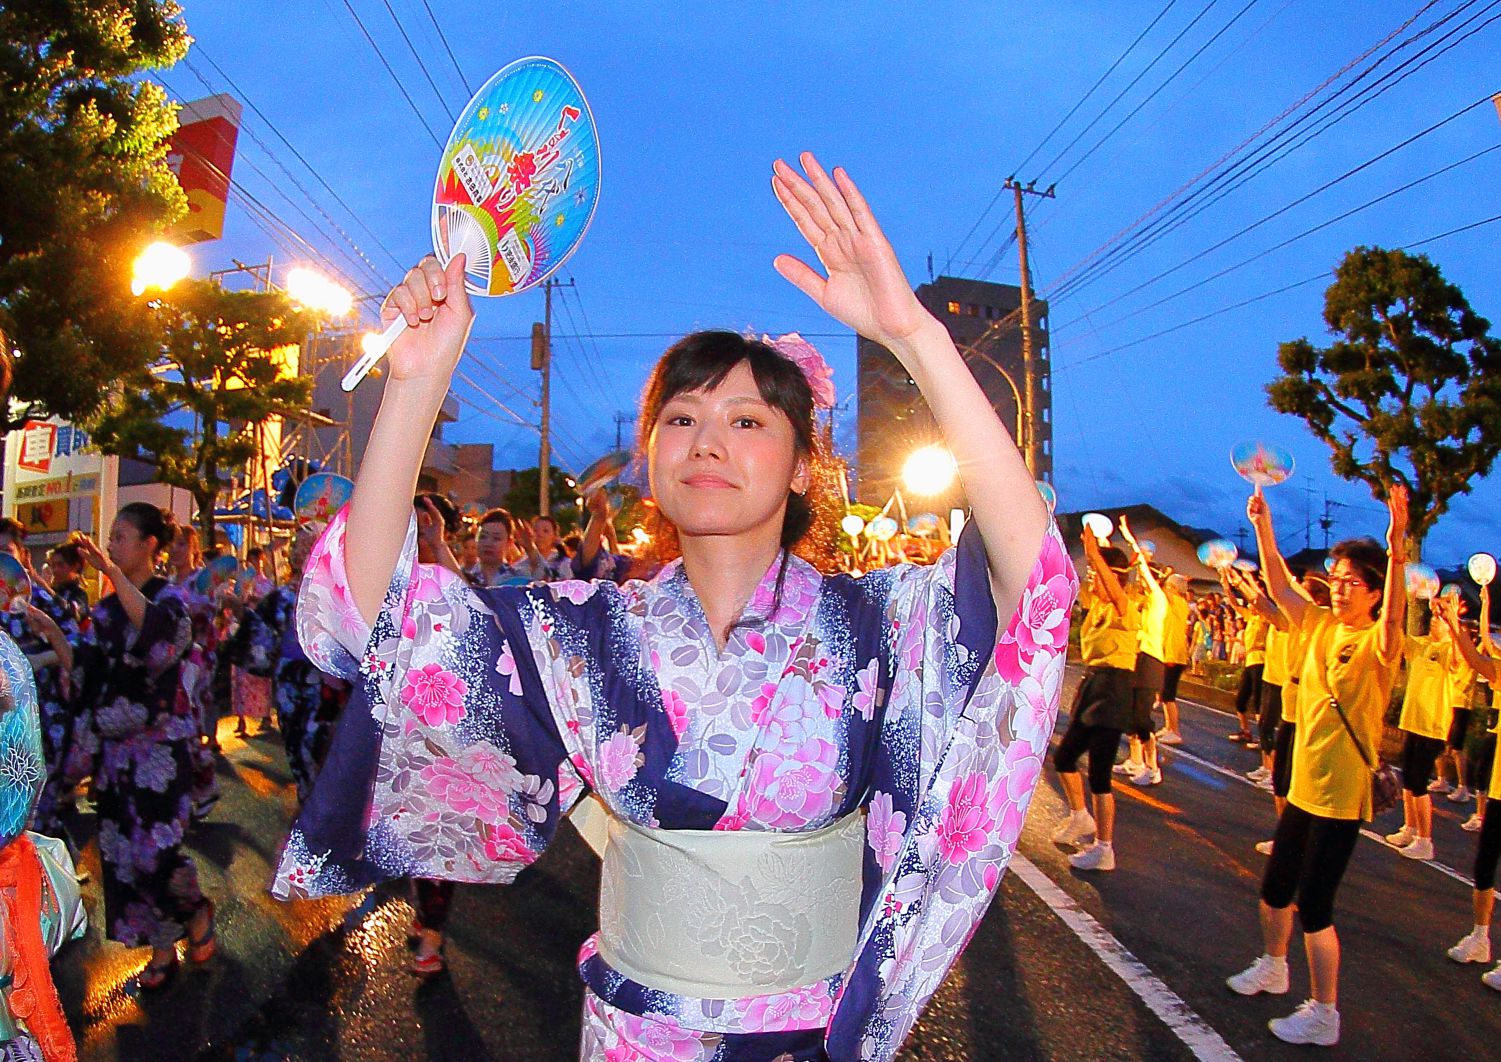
(1248, 693)
(1489, 852)
(1146, 683)
(1459, 727)
(1309, 856)
(1419, 754)
(1100, 742)
(1270, 715)
(1171, 673)
(1282, 759)
(1478, 766)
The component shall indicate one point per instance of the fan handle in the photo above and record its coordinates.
(375, 348)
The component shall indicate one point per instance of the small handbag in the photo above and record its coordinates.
(1386, 791)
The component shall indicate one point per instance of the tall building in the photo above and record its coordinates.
(893, 420)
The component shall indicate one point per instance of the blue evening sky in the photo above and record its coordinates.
(929, 106)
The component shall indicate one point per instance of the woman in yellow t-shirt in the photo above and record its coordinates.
(1102, 707)
(1424, 724)
(1476, 945)
(1461, 691)
(1350, 663)
(1163, 644)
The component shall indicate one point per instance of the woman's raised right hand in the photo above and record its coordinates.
(438, 314)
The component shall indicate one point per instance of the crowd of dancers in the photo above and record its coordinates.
(1323, 652)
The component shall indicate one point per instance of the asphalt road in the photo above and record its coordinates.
(1132, 968)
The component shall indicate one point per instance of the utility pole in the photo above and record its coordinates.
(542, 362)
(1031, 390)
(621, 419)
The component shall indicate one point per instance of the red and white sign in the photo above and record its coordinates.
(38, 444)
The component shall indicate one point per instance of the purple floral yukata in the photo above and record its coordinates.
(481, 716)
(143, 785)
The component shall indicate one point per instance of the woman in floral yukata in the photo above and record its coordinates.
(143, 782)
(813, 783)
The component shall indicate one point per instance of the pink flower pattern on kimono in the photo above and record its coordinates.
(677, 712)
(966, 821)
(660, 1038)
(434, 694)
(462, 792)
(865, 689)
(506, 666)
(802, 1008)
(885, 829)
(1023, 767)
(792, 792)
(505, 845)
(619, 758)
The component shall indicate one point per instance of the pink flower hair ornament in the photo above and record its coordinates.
(806, 357)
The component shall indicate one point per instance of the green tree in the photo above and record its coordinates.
(1409, 390)
(83, 144)
(521, 500)
(193, 413)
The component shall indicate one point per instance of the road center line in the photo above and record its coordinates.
(1195, 1033)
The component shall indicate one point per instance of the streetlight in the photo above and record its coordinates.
(159, 266)
(316, 292)
(930, 470)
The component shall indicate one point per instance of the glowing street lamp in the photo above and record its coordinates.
(159, 266)
(930, 470)
(316, 292)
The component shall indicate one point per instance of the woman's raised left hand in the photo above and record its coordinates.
(865, 287)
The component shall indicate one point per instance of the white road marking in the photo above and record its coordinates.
(1177, 750)
(1178, 1016)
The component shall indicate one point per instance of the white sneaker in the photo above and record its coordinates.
(1402, 838)
(1492, 978)
(1462, 795)
(1421, 848)
(1074, 829)
(1471, 824)
(1312, 1023)
(1264, 847)
(1128, 766)
(1438, 785)
(1259, 774)
(1266, 974)
(1265, 785)
(1475, 947)
(1097, 856)
(1145, 777)
(1169, 737)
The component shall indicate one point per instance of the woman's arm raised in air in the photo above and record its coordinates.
(418, 369)
(1448, 611)
(1394, 599)
(1280, 585)
(1109, 581)
(866, 290)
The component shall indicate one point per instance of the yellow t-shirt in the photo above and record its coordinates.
(1295, 643)
(1426, 710)
(1494, 792)
(1462, 682)
(1106, 638)
(1274, 654)
(1164, 626)
(1330, 777)
(1255, 639)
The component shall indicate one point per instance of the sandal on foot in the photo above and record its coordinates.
(427, 965)
(154, 978)
(202, 949)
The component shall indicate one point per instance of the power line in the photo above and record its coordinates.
(1133, 83)
(1155, 92)
(1291, 205)
(421, 64)
(1324, 275)
(1137, 237)
(399, 86)
(451, 58)
(240, 94)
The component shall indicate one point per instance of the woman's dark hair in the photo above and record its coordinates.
(572, 543)
(453, 520)
(254, 553)
(701, 361)
(68, 553)
(502, 517)
(1368, 558)
(150, 521)
(9, 525)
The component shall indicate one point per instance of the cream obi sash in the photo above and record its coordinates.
(728, 914)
